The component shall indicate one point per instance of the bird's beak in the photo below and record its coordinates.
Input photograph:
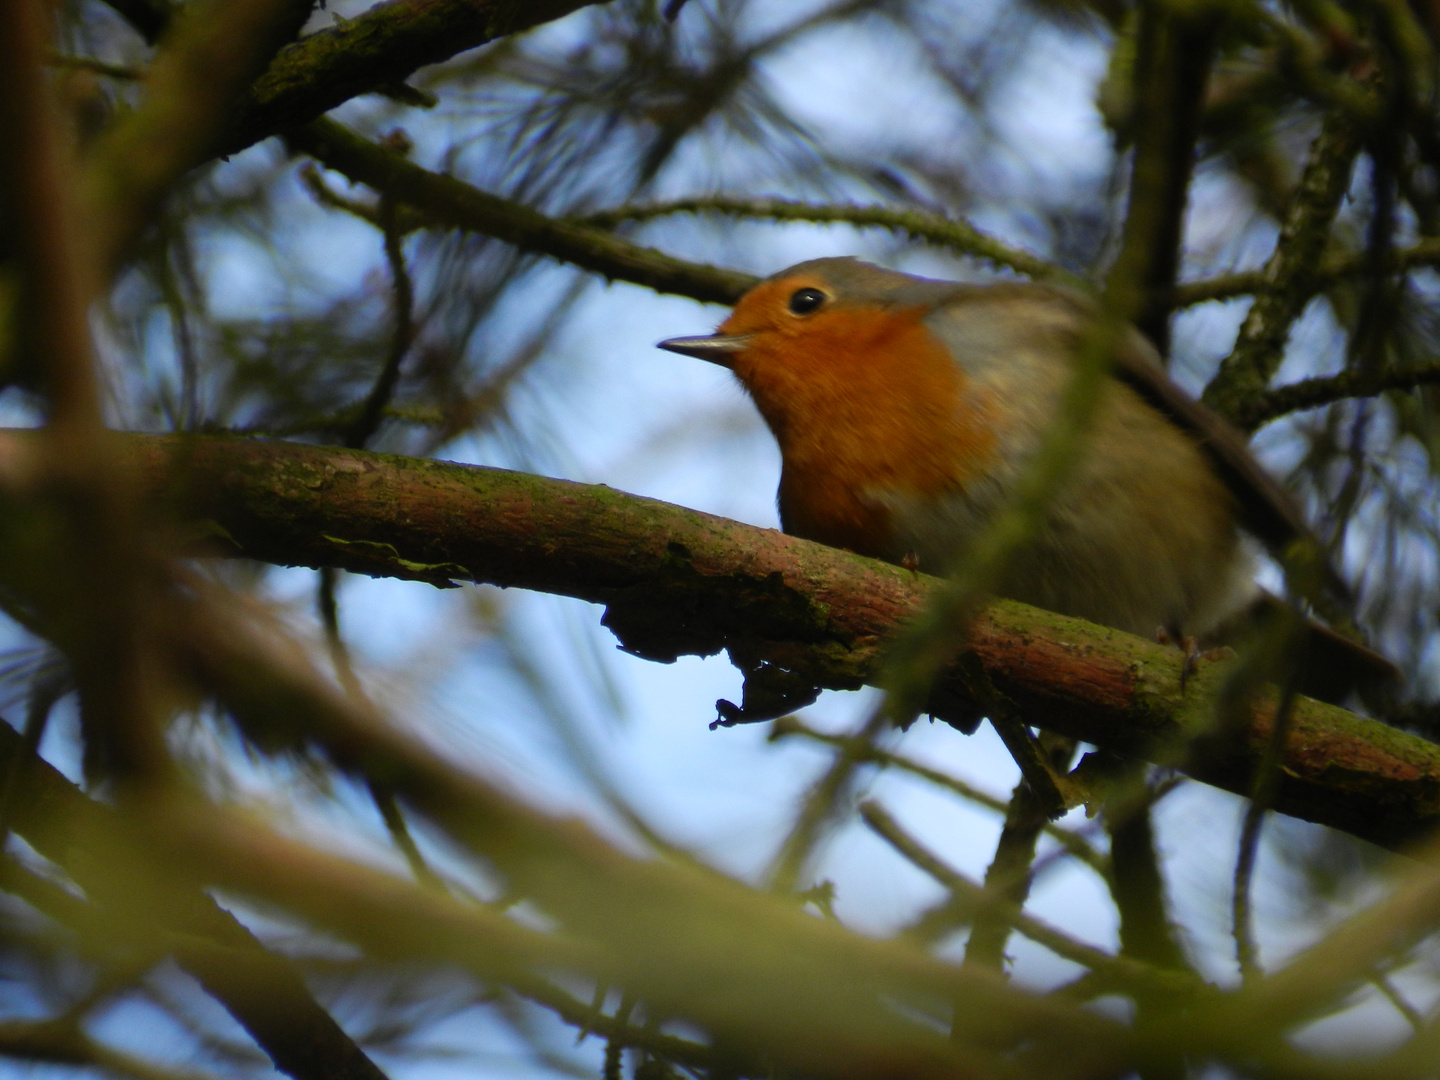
(717, 348)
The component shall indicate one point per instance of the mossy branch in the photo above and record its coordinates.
(1289, 274)
(677, 582)
(958, 236)
(1312, 393)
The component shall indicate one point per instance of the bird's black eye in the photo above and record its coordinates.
(804, 301)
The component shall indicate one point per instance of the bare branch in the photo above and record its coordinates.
(452, 204)
(970, 898)
(957, 235)
(1289, 274)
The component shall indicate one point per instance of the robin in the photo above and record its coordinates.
(906, 410)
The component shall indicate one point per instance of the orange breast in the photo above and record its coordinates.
(867, 406)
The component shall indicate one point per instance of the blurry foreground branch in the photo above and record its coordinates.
(678, 582)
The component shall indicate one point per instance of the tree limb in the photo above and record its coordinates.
(678, 582)
(955, 234)
(1312, 393)
(1288, 274)
(450, 203)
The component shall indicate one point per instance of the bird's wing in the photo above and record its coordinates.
(1266, 509)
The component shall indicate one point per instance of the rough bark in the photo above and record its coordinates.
(678, 582)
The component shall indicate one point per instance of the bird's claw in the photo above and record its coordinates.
(770, 692)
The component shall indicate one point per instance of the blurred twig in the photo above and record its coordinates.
(208, 59)
(261, 990)
(968, 900)
(1070, 841)
(81, 568)
(1174, 49)
(803, 987)
(64, 1042)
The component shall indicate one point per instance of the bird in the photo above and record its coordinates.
(906, 411)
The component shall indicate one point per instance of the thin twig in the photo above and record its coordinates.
(1324, 390)
(822, 803)
(406, 221)
(1267, 781)
(1289, 274)
(401, 337)
(970, 898)
(957, 235)
(1382, 982)
(383, 797)
(1332, 270)
(1071, 842)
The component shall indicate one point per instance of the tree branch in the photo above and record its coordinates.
(211, 54)
(261, 990)
(1289, 274)
(449, 203)
(678, 582)
(1312, 393)
(1173, 57)
(957, 235)
(382, 47)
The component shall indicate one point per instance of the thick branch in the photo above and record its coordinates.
(677, 582)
